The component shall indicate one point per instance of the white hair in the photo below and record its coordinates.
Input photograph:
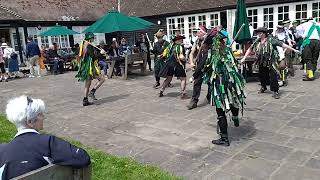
(22, 109)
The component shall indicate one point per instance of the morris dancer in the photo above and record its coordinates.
(198, 64)
(284, 34)
(89, 68)
(311, 47)
(227, 91)
(175, 65)
(265, 48)
(159, 46)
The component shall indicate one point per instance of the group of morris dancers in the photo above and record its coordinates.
(214, 64)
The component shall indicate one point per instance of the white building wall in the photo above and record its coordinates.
(260, 16)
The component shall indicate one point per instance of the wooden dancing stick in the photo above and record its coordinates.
(150, 45)
(237, 35)
(93, 45)
(105, 54)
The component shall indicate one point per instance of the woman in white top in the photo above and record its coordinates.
(13, 65)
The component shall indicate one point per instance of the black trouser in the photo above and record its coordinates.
(149, 59)
(197, 89)
(157, 76)
(266, 74)
(311, 54)
(198, 79)
(222, 120)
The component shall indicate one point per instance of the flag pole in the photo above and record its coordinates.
(237, 35)
(119, 5)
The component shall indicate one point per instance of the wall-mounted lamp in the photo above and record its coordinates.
(159, 22)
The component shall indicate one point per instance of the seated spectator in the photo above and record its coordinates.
(29, 150)
(55, 59)
(124, 48)
(115, 55)
(102, 58)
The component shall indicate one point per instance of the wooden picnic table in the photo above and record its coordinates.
(248, 65)
(127, 63)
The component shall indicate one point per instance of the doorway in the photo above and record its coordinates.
(223, 17)
(5, 36)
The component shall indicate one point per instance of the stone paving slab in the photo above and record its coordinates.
(277, 139)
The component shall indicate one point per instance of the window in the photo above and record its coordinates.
(15, 41)
(99, 37)
(214, 20)
(180, 23)
(268, 18)
(192, 24)
(45, 41)
(171, 26)
(64, 41)
(283, 13)
(253, 17)
(202, 20)
(55, 39)
(316, 11)
(33, 32)
(301, 11)
(78, 38)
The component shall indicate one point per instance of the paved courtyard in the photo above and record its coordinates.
(277, 139)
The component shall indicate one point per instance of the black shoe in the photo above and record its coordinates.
(161, 94)
(92, 96)
(221, 142)
(192, 105)
(150, 69)
(86, 102)
(235, 120)
(276, 95)
(262, 90)
(156, 85)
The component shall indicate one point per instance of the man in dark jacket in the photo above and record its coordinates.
(33, 54)
(29, 150)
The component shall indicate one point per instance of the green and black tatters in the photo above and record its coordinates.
(221, 71)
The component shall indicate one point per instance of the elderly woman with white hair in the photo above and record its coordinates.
(30, 150)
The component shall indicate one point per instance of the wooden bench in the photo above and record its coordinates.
(132, 62)
(55, 172)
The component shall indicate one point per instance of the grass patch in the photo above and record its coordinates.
(104, 166)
